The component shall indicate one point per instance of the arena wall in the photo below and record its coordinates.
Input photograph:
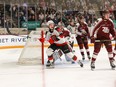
(13, 41)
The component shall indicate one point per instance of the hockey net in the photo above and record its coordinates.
(33, 51)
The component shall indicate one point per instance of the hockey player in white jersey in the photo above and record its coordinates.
(57, 41)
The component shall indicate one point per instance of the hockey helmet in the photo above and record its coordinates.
(50, 22)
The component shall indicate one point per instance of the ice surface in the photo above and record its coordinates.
(63, 75)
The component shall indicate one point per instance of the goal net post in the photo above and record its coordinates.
(33, 51)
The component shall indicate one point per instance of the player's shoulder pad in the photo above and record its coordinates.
(110, 20)
(99, 19)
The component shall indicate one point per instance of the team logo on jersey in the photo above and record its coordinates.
(105, 29)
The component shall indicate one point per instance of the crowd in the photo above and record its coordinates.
(66, 12)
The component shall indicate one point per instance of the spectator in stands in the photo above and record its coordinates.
(22, 18)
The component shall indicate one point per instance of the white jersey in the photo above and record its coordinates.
(71, 29)
(61, 39)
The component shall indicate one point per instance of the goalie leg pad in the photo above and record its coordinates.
(71, 56)
(67, 58)
(57, 54)
(60, 52)
(74, 58)
(49, 51)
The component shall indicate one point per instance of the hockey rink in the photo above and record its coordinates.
(63, 75)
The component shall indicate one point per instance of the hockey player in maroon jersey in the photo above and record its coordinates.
(67, 35)
(57, 41)
(101, 35)
(82, 34)
(69, 39)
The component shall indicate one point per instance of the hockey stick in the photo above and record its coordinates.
(7, 28)
(10, 33)
(104, 40)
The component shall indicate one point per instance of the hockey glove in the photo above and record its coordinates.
(92, 39)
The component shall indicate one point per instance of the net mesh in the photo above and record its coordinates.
(32, 54)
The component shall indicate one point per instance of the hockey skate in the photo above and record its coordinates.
(83, 58)
(50, 64)
(89, 57)
(80, 63)
(112, 64)
(92, 65)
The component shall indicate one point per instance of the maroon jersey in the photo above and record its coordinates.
(103, 29)
(66, 33)
(83, 30)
